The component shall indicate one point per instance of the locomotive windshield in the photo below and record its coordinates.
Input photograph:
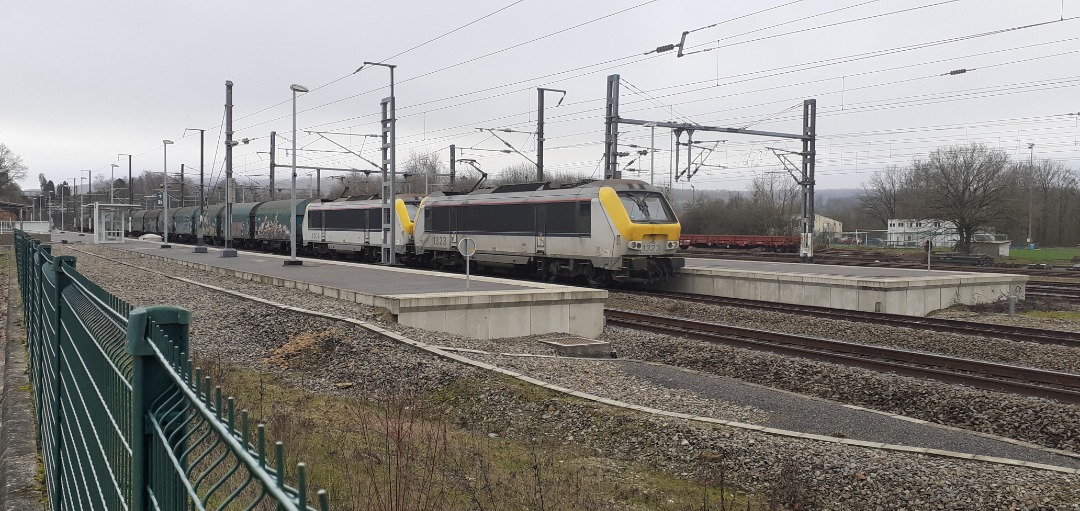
(646, 207)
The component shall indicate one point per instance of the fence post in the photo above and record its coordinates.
(37, 260)
(150, 381)
(59, 283)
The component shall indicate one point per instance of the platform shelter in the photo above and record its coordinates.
(108, 221)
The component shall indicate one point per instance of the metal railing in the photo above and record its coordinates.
(38, 226)
(126, 422)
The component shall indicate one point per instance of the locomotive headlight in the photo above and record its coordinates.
(672, 245)
(634, 245)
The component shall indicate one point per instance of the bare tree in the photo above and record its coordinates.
(518, 173)
(355, 184)
(12, 168)
(773, 204)
(881, 197)
(967, 185)
(1049, 195)
(423, 172)
(526, 173)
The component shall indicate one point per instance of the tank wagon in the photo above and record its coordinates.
(604, 231)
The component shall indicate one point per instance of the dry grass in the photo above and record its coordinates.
(403, 453)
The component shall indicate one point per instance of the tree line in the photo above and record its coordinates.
(973, 186)
(977, 187)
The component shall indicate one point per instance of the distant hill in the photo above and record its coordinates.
(825, 194)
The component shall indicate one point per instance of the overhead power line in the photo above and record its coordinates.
(468, 61)
(425, 43)
(769, 73)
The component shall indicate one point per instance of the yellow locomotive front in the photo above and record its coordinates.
(647, 238)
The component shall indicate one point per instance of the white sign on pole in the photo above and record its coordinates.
(467, 247)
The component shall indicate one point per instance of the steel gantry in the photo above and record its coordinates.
(804, 176)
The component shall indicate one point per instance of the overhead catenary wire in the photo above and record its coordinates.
(474, 59)
(425, 43)
(624, 58)
(403, 116)
(652, 56)
(788, 69)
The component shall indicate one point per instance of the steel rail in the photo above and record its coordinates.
(975, 373)
(878, 261)
(1010, 332)
(1059, 291)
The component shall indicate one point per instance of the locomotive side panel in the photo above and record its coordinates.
(355, 227)
(577, 231)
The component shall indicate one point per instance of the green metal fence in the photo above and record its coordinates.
(126, 423)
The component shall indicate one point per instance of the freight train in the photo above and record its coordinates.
(599, 231)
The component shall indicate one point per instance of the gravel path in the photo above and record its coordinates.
(321, 353)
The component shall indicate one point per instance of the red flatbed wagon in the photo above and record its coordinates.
(772, 243)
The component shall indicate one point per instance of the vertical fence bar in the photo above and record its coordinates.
(55, 273)
(150, 381)
(90, 353)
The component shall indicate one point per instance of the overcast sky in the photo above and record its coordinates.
(84, 81)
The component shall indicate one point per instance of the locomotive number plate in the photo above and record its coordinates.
(652, 247)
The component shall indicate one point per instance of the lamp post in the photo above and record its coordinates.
(82, 201)
(1031, 187)
(78, 209)
(112, 183)
(200, 246)
(293, 261)
(389, 189)
(70, 188)
(540, 128)
(228, 251)
(130, 187)
(165, 195)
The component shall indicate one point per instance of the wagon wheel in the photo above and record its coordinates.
(551, 271)
(596, 277)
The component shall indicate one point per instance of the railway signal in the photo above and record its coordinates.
(928, 246)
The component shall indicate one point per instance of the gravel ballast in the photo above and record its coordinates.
(828, 476)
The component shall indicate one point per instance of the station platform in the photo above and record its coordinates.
(490, 308)
(891, 290)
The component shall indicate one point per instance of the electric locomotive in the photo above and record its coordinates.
(604, 231)
(355, 227)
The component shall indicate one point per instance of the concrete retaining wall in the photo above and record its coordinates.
(914, 296)
(479, 315)
(502, 314)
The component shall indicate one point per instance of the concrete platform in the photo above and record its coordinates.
(892, 290)
(491, 308)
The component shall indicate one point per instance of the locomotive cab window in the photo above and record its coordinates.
(646, 207)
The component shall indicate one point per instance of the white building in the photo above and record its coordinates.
(912, 232)
(824, 224)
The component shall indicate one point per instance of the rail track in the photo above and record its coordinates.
(1010, 332)
(1063, 387)
(877, 260)
(1056, 291)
